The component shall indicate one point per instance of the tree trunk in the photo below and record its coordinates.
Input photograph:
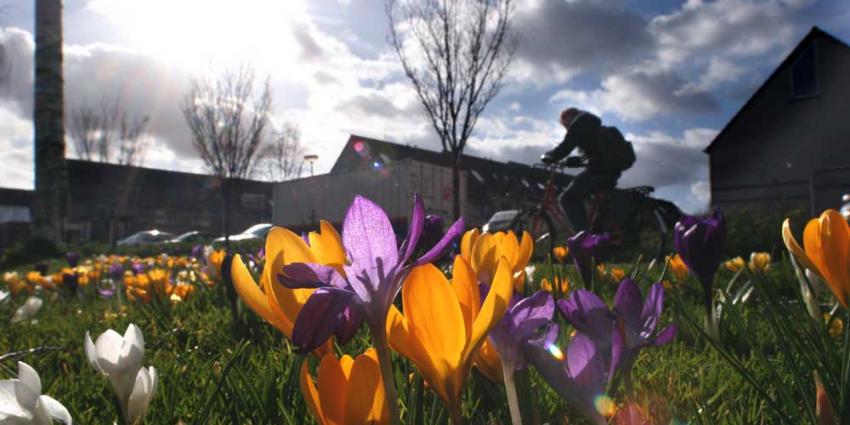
(51, 176)
(456, 189)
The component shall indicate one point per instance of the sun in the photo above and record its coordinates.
(209, 32)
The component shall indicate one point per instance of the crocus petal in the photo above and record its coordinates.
(588, 313)
(529, 314)
(834, 239)
(628, 304)
(414, 231)
(371, 243)
(366, 403)
(433, 312)
(652, 308)
(29, 387)
(333, 389)
(466, 288)
(91, 353)
(666, 335)
(140, 398)
(467, 242)
(351, 319)
(54, 409)
(437, 250)
(309, 275)
(133, 348)
(10, 408)
(493, 307)
(795, 248)
(311, 394)
(320, 318)
(108, 349)
(526, 249)
(585, 364)
(327, 245)
(253, 297)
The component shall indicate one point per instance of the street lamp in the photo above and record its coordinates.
(311, 158)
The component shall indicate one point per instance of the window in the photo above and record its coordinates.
(804, 75)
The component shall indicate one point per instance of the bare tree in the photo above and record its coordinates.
(456, 54)
(50, 204)
(228, 121)
(283, 156)
(107, 133)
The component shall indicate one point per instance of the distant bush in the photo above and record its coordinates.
(752, 230)
(29, 251)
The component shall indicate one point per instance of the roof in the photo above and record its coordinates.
(813, 34)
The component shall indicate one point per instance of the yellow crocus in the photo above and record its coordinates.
(269, 299)
(734, 265)
(483, 250)
(759, 262)
(617, 274)
(488, 362)
(560, 253)
(444, 324)
(562, 285)
(347, 391)
(215, 259)
(678, 268)
(827, 250)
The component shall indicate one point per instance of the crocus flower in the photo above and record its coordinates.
(521, 322)
(483, 251)
(579, 378)
(120, 360)
(827, 251)
(637, 320)
(349, 391)
(699, 241)
(28, 310)
(444, 324)
(759, 262)
(73, 259)
(116, 271)
(137, 268)
(198, 252)
(677, 268)
(590, 315)
(432, 230)
(560, 253)
(276, 303)
(369, 283)
(106, 289)
(586, 248)
(734, 265)
(22, 403)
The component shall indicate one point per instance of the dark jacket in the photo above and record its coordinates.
(604, 148)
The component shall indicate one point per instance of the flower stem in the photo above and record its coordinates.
(379, 338)
(710, 323)
(510, 389)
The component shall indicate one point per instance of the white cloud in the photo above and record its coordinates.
(16, 149)
(701, 194)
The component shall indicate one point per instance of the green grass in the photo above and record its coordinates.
(209, 376)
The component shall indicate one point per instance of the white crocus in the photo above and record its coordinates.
(120, 360)
(29, 309)
(21, 401)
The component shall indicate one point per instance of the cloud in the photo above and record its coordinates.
(639, 95)
(563, 38)
(16, 148)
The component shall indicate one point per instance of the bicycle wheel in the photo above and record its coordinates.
(539, 225)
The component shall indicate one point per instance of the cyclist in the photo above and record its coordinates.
(604, 153)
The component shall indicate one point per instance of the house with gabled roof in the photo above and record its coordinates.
(789, 144)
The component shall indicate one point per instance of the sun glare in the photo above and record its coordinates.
(209, 32)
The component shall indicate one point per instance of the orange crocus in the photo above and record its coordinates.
(269, 299)
(444, 324)
(483, 250)
(349, 392)
(827, 250)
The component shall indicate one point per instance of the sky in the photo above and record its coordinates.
(669, 74)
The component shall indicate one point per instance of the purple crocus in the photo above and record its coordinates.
(107, 290)
(198, 252)
(116, 271)
(637, 320)
(590, 315)
(73, 259)
(521, 322)
(699, 242)
(137, 268)
(432, 230)
(579, 378)
(585, 248)
(377, 266)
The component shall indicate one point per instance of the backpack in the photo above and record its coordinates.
(617, 153)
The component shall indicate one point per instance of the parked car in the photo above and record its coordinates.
(500, 221)
(193, 236)
(146, 237)
(257, 231)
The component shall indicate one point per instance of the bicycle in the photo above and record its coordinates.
(625, 214)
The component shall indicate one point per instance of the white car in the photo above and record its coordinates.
(500, 221)
(257, 231)
(146, 237)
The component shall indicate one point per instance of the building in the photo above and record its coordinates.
(787, 146)
(108, 202)
(390, 173)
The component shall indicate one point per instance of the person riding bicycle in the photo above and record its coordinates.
(603, 151)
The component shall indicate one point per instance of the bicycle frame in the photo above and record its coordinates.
(550, 200)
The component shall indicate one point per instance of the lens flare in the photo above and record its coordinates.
(555, 351)
(604, 405)
(359, 146)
